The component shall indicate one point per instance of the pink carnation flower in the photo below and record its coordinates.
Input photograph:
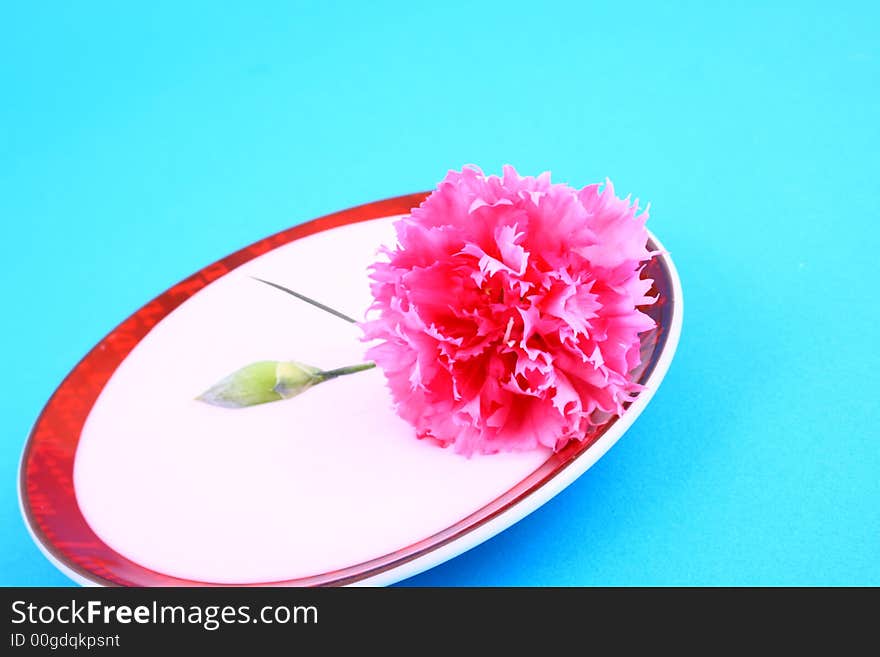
(507, 315)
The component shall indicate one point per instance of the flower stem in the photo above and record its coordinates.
(303, 297)
(342, 371)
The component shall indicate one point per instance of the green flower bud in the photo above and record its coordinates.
(262, 382)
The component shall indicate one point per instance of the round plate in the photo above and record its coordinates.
(127, 480)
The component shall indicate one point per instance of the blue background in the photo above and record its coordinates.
(138, 145)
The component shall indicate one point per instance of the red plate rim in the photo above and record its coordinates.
(46, 489)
